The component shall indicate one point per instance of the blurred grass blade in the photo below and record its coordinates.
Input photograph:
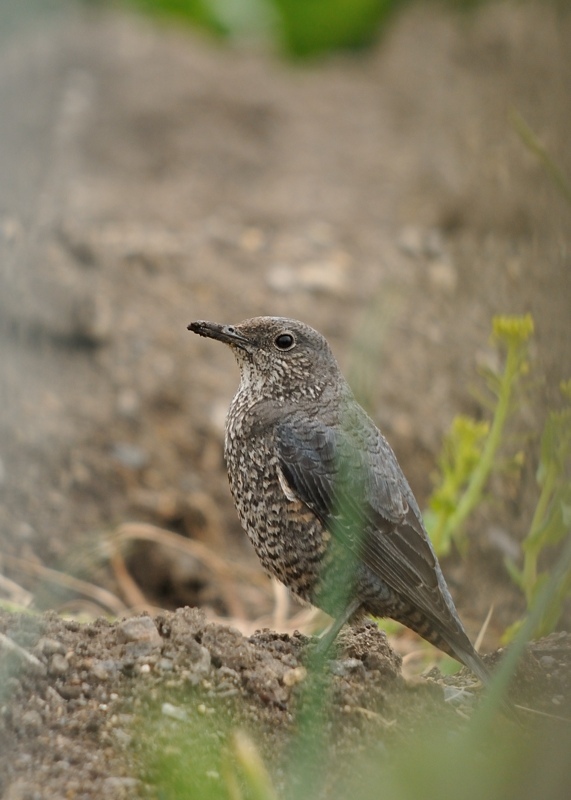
(497, 691)
(250, 762)
(530, 140)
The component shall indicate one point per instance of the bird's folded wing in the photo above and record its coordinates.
(359, 493)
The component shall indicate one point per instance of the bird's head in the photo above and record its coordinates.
(278, 357)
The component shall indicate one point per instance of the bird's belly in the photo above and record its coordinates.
(288, 538)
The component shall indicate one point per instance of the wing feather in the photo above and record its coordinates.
(358, 491)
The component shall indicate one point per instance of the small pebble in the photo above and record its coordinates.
(434, 243)
(129, 455)
(329, 277)
(70, 691)
(443, 276)
(139, 629)
(59, 665)
(324, 276)
(294, 676)
(199, 660)
(174, 712)
(252, 240)
(32, 720)
(92, 319)
(281, 278)
(347, 666)
(410, 241)
(128, 403)
(11, 228)
(49, 647)
(103, 670)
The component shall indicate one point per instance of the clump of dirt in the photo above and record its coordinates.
(84, 706)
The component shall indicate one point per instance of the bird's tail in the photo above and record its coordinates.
(470, 658)
(452, 639)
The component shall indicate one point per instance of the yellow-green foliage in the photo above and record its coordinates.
(470, 451)
(551, 522)
(461, 453)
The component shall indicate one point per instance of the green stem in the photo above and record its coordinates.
(531, 141)
(532, 545)
(471, 496)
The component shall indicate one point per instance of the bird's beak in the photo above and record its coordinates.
(223, 333)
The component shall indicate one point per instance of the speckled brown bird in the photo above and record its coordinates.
(319, 490)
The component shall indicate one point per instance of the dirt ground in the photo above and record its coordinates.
(149, 178)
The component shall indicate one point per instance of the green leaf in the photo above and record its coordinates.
(514, 572)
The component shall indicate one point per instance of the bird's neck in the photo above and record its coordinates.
(257, 407)
(255, 389)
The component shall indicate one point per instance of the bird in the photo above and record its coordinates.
(319, 490)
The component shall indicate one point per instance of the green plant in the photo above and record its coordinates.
(303, 28)
(471, 453)
(551, 521)
(311, 27)
(471, 448)
(461, 453)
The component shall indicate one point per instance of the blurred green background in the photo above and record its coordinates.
(300, 28)
(297, 28)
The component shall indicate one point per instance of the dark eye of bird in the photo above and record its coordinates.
(284, 341)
